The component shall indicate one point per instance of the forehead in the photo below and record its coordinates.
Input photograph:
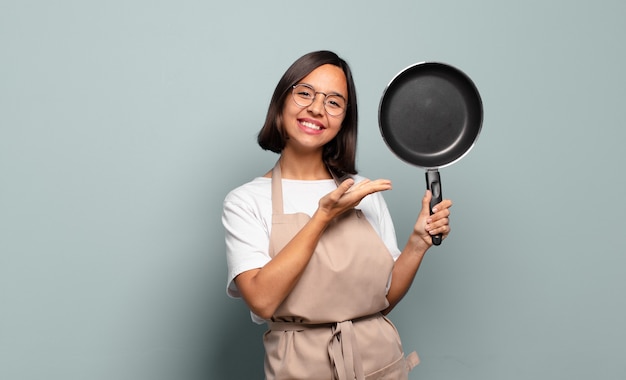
(328, 78)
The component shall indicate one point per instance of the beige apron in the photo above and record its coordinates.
(330, 325)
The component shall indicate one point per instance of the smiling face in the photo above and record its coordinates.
(309, 128)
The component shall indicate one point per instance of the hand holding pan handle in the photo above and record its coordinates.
(433, 183)
(430, 116)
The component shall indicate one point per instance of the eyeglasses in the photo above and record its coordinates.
(304, 95)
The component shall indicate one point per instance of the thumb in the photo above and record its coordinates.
(426, 202)
(345, 185)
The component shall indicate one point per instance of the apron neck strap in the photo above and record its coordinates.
(277, 190)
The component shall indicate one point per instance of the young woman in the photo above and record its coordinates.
(311, 246)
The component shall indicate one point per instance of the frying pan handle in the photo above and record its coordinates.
(433, 183)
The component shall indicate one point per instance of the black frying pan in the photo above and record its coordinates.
(430, 116)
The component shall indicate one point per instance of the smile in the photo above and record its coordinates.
(310, 125)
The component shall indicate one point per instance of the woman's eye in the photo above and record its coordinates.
(335, 102)
(304, 94)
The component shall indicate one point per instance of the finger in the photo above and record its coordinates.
(375, 187)
(439, 223)
(426, 203)
(367, 186)
(357, 192)
(359, 185)
(445, 204)
(439, 219)
(340, 191)
(346, 185)
(379, 185)
(444, 229)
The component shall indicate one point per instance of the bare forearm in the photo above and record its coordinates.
(419, 242)
(404, 271)
(265, 289)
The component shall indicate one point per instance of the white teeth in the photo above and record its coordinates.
(311, 125)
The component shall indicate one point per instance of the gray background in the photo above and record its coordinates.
(123, 125)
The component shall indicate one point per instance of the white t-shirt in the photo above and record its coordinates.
(247, 219)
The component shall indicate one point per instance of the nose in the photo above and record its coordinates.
(317, 107)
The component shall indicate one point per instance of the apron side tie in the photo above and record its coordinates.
(412, 360)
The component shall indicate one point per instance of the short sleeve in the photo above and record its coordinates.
(247, 241)
(387, 229)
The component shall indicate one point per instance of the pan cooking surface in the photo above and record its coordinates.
(430, 115)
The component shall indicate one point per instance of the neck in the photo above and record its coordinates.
(303, 167)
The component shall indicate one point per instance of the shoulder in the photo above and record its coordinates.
(252, 199)
(259, 187)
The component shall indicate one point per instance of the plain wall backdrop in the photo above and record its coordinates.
(123, 124)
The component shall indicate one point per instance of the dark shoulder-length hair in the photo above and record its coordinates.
(339, 153)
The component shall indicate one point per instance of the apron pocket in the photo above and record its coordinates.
(397, 370)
